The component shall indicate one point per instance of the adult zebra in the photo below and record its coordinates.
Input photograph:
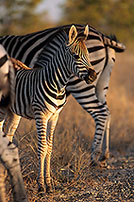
(40, 92)
(8, 151)
(92, 98)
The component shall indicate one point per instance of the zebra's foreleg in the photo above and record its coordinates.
(50, 130)
(41, 118)
(10, 124)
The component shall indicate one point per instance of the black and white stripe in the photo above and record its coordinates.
(92, 98)
(40, 92)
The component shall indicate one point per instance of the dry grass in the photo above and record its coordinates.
(73, 179)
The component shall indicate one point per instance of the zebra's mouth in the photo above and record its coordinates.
(91, 77)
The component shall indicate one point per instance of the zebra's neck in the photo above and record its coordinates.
(54, 61)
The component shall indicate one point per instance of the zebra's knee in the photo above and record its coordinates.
(103, 116)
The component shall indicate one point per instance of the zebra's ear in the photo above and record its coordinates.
(72, 34)
(86, 31)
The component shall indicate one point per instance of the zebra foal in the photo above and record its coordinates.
(8, 151)
(40, 92)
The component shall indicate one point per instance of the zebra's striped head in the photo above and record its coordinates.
(78, 49)
(6, 78)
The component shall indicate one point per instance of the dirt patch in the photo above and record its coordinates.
(114, 183)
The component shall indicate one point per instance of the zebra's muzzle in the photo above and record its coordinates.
(91, 77)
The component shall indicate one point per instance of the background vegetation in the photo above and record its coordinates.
(109, 16)
(21, 16)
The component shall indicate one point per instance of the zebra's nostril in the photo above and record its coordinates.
(92, 75)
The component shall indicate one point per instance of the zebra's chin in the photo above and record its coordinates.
(91, 77)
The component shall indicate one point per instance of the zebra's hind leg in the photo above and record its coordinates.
(105, 146)
(101, 124)
(101, 92)
(50, 130)
(10, 124)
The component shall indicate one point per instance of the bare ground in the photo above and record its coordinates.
(113, 183)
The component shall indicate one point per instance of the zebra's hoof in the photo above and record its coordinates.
(103, 164)
(49, 189)
(94, 163)
(41, 191)
(95, 158)
(98, 164)
(104, 157)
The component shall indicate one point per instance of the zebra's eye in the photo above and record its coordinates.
(76, 56)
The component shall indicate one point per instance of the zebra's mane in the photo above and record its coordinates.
(41, 58)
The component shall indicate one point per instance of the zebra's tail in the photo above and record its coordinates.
(112, 42)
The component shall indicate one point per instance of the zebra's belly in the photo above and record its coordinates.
(26, 112)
